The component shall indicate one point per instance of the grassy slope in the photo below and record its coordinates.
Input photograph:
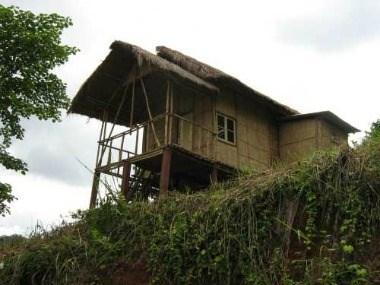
(314, 223)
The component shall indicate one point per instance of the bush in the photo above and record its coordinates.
(312, 223)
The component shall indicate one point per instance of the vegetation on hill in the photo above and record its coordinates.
(316, 222)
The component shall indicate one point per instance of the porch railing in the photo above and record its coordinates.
(164, 129)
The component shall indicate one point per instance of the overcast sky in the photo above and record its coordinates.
(310, 55)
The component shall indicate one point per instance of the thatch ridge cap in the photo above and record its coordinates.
(161, 63)
(216, 76)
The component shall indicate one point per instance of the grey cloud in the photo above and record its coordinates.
(342, 24)
(52, 149)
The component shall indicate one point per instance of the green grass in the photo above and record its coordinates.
(316, 222)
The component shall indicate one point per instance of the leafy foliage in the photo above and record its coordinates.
(30, 48)
(5, 197)
(314, 223)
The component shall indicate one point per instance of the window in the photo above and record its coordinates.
(226, 128)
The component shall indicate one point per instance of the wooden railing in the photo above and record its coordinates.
(164, 129)
(194, 137)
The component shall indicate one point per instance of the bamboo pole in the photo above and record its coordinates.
(170, 115)
(100, 138)
(167, 112)
(121, 152)
(132, 104)
(149, 113)
(137, 140)
(96, 178)
(110, 153)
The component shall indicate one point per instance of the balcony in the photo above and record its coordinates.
(143, 143)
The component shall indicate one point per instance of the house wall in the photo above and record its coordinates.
(260, 139)
(331, 136)
(256, 133)
(301, 138)
(297, 139)
(203, 140)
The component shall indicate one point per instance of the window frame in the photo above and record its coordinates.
(225, 128)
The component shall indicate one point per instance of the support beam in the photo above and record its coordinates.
(165, 171)
(167, 113)
(125, 180)
(214, 174)
(96, 178)
(94, 190)
(171, 109)
(132, 105)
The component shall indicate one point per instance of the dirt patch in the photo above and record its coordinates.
(136, 274)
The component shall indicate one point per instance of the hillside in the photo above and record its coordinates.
(316, 222)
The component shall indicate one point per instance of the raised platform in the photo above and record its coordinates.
(186, 168)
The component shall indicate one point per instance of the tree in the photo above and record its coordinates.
(30, 48)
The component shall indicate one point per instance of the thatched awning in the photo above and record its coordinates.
(221, 79)
(125, 63)
(327, 116)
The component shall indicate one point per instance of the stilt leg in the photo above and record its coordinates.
(94, 190)
(165, 171)
(214, 174)
(125, 180)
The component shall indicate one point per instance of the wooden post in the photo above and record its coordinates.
(125, 180)
(137, 140)
(132, 105)
(214, 174)
(167, 113)
(170, 115)
(94, 190)
(165, 171)
(96, 178)
(121, 152)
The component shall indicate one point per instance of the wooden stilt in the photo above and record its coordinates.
(125, 180)
(165, 171)
(96, 178)
(94, 190)
(214, 174)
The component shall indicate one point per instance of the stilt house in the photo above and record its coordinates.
(188, 124)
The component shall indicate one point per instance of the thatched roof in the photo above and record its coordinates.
(327, 116)
(149, 61)
(125, 62)
(104, 88)
(221, 79)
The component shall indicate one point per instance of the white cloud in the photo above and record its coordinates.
(40, 200)
(52, 150)
(340, 25)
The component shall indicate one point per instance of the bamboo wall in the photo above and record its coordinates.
(299, 139)
(331, 136)
(256, 138)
